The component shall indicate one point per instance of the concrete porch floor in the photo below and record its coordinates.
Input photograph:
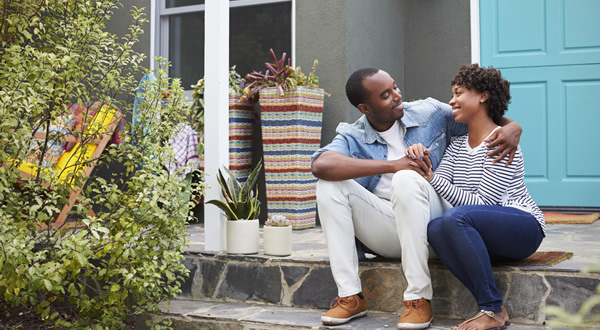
(580, 239)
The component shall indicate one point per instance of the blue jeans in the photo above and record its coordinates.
(468, 238)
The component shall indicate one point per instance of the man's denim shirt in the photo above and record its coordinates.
(428, 121)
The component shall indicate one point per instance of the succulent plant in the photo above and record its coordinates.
(278, 221)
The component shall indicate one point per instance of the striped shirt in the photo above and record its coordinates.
(467, 176)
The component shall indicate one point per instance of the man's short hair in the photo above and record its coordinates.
(355, 91)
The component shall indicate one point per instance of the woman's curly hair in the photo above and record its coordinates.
(490, 80)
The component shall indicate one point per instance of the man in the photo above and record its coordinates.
(367, 189)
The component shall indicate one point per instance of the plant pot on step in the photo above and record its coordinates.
(242, 236)
(241, 203)
(277, 241)
(291, 132)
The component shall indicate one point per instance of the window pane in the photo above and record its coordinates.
(182, 3)
(253, 30)
(186, 47)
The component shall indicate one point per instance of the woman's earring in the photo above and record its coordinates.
(481, 101)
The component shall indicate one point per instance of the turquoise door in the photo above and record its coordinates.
(550, 52)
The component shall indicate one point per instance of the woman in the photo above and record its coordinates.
(494, 218)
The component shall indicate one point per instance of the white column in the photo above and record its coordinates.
(475, 33)
(216, 123)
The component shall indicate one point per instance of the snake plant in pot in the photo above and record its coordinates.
(241, 208)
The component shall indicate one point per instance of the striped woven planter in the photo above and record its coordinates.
(291, 132)
(241, 118)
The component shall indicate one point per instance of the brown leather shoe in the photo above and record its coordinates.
(344, 309)
(416, 315)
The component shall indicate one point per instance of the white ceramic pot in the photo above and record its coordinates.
(242, 236)
(277, 240)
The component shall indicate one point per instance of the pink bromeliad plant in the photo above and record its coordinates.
(279, 75)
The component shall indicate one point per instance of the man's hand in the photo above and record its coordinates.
(406, 163)
(334, 166)
(506, 140)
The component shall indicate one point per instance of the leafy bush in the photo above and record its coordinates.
(127, 258)
(236, 83)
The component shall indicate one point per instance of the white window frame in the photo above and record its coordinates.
(159, 30)
(475, 33)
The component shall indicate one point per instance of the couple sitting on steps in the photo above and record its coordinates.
(395, 181)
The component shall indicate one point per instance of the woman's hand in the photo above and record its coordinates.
(418, 157)
(506, 140)
(416, 151)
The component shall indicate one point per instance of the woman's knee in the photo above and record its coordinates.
(446, 224)
(456, 216)
(434, 229)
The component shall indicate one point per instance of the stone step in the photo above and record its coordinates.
(187, 314)
(307, 284)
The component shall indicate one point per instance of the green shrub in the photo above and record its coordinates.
(127, 258)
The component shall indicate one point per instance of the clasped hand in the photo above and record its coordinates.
(419, 160)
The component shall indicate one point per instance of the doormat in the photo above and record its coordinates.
(561, 218)
(549, 258)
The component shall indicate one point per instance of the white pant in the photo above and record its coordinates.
(396, 228)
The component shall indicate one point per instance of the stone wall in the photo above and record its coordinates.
(280, 281)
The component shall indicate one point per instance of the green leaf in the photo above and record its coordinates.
(48, 285)
(229, 214)
(241, 201)
(253, 178)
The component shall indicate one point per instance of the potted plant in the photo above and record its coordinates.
(277, 236)
(291, 111)
(241, 118)
(241, 208)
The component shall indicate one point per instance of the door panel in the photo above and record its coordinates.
(560, 116)
(582, 128)
(517, 33)
(549, 50)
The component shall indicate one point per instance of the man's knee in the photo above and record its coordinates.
(325, 190)
(407, 177)
(322, 187)
(408, 182)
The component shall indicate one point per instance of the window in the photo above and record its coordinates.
(254, 27)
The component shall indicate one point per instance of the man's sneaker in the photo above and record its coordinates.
(416, 315)
(345, 309)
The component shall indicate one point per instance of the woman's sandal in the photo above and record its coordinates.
(487, 313)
